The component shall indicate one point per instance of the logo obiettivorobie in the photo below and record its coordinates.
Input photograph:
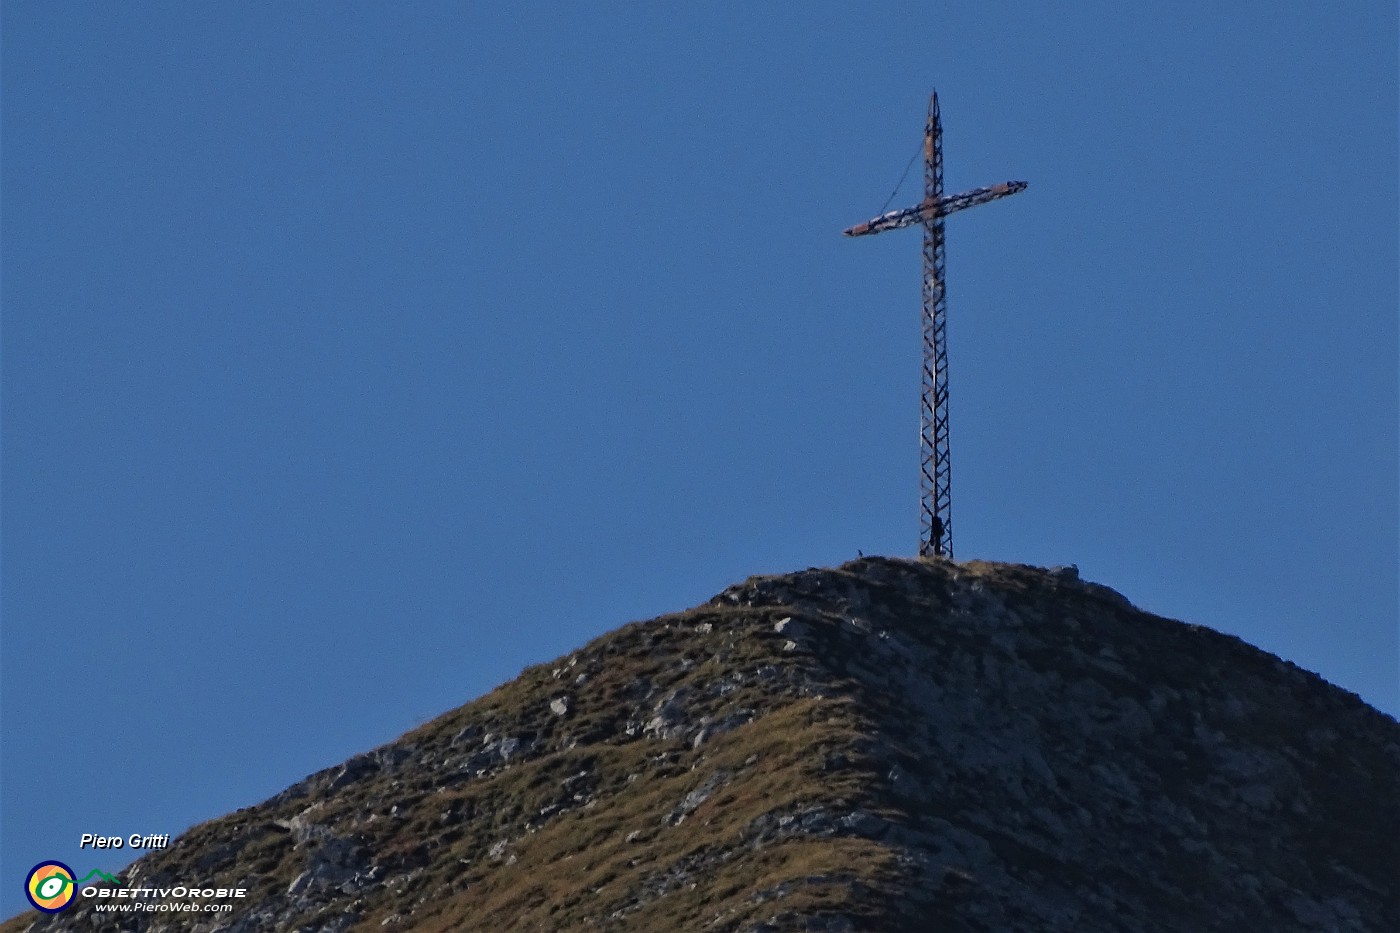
(50, 886)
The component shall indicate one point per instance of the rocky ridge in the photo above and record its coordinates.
(889, 745)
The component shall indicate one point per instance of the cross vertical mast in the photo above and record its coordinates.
(936, 465)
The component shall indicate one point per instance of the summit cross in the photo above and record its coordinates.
(935, 467)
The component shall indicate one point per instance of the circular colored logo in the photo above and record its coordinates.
(49, 887)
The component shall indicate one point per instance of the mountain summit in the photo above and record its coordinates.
(889, 745)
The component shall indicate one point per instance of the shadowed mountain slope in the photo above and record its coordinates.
(890, 745)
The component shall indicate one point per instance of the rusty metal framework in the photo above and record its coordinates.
(935, 456)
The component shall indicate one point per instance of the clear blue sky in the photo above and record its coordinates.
(357, 355)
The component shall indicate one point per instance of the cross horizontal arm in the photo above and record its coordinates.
(933, 208)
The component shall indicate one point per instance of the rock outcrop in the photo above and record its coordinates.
(891, 745)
